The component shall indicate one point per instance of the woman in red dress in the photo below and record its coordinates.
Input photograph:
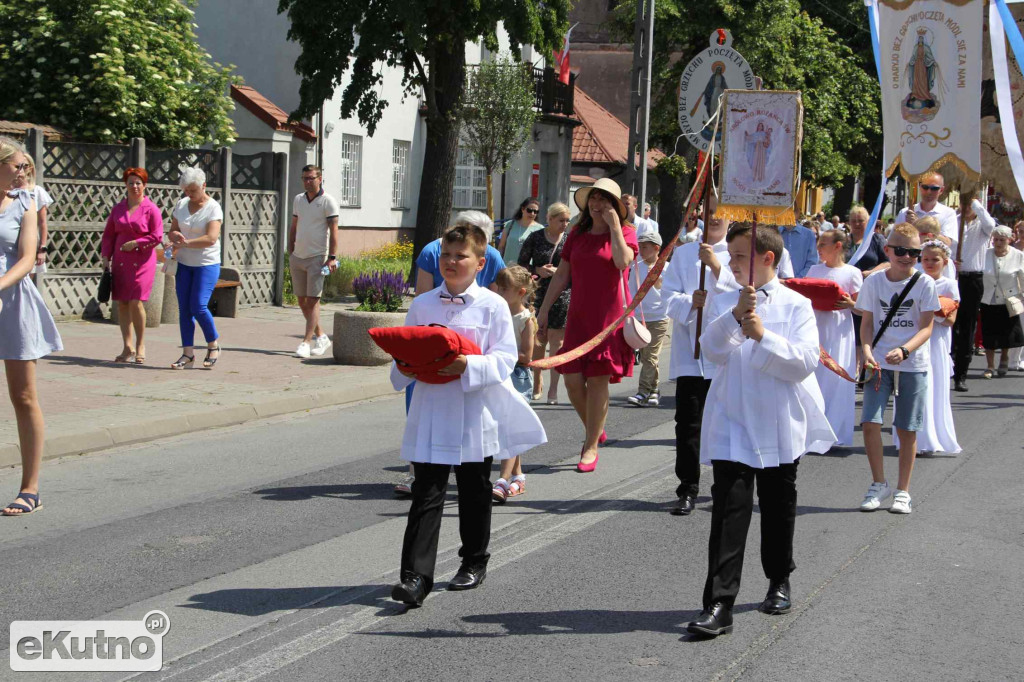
(596, 256)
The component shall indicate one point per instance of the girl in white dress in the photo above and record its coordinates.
(835, 333)
(937, 434)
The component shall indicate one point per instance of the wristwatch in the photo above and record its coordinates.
(44, 249)
(906, 353)
(332, 257)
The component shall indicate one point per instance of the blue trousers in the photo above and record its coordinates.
(194, 288)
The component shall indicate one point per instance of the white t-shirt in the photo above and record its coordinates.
(194, 225)
(41, 196)
(312, 238)
(876, 296)
(654, 307)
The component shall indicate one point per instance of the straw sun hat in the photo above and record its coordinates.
(608, 186)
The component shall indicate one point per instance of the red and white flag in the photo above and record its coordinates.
(561, 62)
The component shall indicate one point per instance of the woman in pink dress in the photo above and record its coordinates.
(596, 255)
(134, 229)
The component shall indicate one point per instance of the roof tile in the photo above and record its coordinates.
(602, 138)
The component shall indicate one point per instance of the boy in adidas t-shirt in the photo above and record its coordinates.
(900, 361)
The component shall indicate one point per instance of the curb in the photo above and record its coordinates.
(210, 418)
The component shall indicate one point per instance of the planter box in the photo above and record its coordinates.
(352, 342)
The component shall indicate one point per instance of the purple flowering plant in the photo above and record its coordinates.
(380, 291)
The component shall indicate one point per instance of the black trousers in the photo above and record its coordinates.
(971, 290)
(419, 549)
(691, 392)
(732, 504)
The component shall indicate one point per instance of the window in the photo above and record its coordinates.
(400, 174)
(470, 182)
(351, 165)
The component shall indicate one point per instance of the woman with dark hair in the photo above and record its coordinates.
(596, 255)
(128, 249)
(523, 224)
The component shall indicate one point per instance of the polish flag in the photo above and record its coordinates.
(562, 58)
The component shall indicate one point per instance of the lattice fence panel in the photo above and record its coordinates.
(255, 209)
(166, 196)
(257, 287)
(252, 250)
(252, 243)
(164, 165)
(69, 296)
(82, 161)
(252, 171)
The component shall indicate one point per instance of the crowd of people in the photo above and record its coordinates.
(904, 323)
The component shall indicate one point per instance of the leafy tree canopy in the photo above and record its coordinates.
(789, 50)
(113, 69)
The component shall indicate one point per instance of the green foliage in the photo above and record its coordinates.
(789, 50)
(338, 284)
(497, 112)
(357, 38)
(107, 70)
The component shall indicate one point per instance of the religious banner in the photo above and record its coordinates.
(763, 130)
(931, 87)
(702, 83)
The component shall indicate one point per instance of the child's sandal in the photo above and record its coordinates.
(500, 491)
(516, 487)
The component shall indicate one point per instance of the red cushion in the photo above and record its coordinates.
(824, 293)
(423, 350)
(947, 306)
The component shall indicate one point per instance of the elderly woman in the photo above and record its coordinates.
(128, 249)
(523, 224)
(541, 255)
(27, 331)
(1004, 278)
(195, 244)
(595, 256)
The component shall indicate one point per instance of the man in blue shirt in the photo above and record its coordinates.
(802, 246)
(427, 265)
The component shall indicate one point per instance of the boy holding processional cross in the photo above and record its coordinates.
(763, 412)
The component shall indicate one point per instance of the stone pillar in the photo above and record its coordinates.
(283, 223)
(169, 314)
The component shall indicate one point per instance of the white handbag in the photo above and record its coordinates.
(1014, 304)
(636, 333)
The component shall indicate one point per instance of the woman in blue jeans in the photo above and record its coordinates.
(195, 242)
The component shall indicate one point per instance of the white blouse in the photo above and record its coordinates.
(193, 225)
(482, 415)
(764, 407)
(1011, 272)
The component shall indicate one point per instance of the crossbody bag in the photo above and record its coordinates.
(895, 306)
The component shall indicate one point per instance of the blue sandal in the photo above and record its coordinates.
(33, 498)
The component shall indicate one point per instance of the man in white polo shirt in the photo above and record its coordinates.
(312, 245)
(930, 188)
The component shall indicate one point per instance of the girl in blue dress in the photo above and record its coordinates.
(27, 331)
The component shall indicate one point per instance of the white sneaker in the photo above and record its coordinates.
(640, 400)
(320, 345)
(652, 400)
(877, 493)
(901, 503)
(303, 350)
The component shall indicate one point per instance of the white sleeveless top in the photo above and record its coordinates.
(519, 321)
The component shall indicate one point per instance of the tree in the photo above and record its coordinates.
(789, 50)
(358, 39)
(113, 69)
(498, 115)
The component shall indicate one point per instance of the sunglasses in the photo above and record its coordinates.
(21, 166)
(932, 188)
(534, 211)
(901, 251)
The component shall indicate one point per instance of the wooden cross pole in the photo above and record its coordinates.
(703, 266)
(753, 249)
(965, 200)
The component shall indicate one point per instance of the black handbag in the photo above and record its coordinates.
(103, 295)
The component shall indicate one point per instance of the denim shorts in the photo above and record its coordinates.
(910, 402)
(522, 380)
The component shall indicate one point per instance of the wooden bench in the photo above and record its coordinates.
(224, 300)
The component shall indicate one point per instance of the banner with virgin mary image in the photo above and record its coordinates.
(931, 86)
(763, 130)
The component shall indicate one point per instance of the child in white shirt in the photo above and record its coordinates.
(654, 316)
(464, 424)
(517, 286)
(763, 412)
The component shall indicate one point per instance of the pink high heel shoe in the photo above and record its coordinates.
(602, 438)
(589, 467)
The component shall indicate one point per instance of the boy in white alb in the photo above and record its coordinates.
(465, 424)
(900, 302)
(764, 411)
(654, 316)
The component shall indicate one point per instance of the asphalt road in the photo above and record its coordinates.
(272, 547)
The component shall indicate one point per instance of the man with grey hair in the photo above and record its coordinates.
(312, 247)
(647, 216)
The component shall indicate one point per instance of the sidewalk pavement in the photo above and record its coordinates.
(91, 403)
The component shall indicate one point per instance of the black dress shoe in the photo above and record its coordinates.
(468, 578)
(960, 386)
(683, 507)
(777, 599)
(713, 621)
(412, 590)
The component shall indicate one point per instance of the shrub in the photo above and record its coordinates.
(400, 250)
(339, 283)
(380, 292)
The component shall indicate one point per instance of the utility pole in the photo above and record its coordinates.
(635, 181)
